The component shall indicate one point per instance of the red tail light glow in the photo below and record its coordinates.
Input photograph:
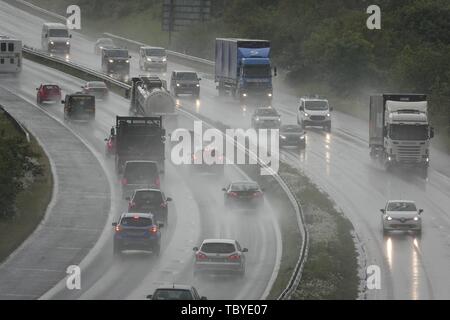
(153, 229)
(124, 181)
(200, 256)
(257, 194)
(118, 228)
(158, 182)
(232, 194)
(163, 205)
(234, 257)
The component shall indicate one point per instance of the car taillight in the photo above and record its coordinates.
(232, 194)
(163, 205)
(200, 256)
(118, 228)
(124, 181)
(157, 182)
(153, 229)
(234, 257)
(257, 194)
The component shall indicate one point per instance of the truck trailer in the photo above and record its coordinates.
(243, 68)
(399, 131)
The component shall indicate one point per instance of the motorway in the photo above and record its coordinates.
(411, 267)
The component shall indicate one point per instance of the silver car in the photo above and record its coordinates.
(220, 256)
(401, 215)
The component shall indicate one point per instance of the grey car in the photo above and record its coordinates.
(176, 292)
(220, 256)
(401, 215)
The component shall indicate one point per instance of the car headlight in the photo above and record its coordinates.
(306, 114)
(51, 42)
(257, 118)
(244, 94)
(111, 60)
(178, 84)
(279, 119)
(67, 42)
(149, 59)
(302, 137)
(198, 85)
(388, 218)
(282, 137)
(416, 218)
(328, 115)
(269, 95)
(127, 61)
(389, 158)
(164, 59)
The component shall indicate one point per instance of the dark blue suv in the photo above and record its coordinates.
(137, 231)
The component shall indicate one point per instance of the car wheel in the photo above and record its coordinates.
(117, 249)
(241, 273)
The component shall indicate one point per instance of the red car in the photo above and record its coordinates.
(48, 93)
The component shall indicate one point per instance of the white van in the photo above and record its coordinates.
(10, 55)
(55, 37)
(314, 112)
(152, 58)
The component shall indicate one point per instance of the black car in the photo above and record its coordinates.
(137, 231)
(292, 135)
(176, 292)
(266, 118)
(245, 194)
(150, 200)
(185, 82)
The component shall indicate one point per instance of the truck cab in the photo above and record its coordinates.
(315, 112)
(116, 63)
(55, 37)
(152, 58)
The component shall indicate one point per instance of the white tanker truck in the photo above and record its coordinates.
(149, 98)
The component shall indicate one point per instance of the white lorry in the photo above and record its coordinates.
(399, 131)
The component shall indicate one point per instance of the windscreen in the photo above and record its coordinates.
(58, 33)
(218, 247)
(116, 53)
(172, 294)
(82, 102)
(140, 172)
(155, 52)
(316, 105)
(267, 112)
(187, 76)
(291, 129)
(257, 71)
(147, 197)
(401, 206)
(408, 132)
(244, 187)
(136, 222)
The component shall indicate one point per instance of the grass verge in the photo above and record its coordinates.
(331, 271)
(31, 203)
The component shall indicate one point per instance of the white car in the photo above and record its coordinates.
(314, 112)
(401, 215)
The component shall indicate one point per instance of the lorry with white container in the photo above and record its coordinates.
(400, 131)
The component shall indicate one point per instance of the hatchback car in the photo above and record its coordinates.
(266, 118)
(150, 200)
(292, 135)
(243, 194)
(176, 292)
(401, 215)
(137, 231)
(96, 88)
(219, 256)
(48, 93)
(139, 175)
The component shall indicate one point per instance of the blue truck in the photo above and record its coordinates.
(243, 68)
